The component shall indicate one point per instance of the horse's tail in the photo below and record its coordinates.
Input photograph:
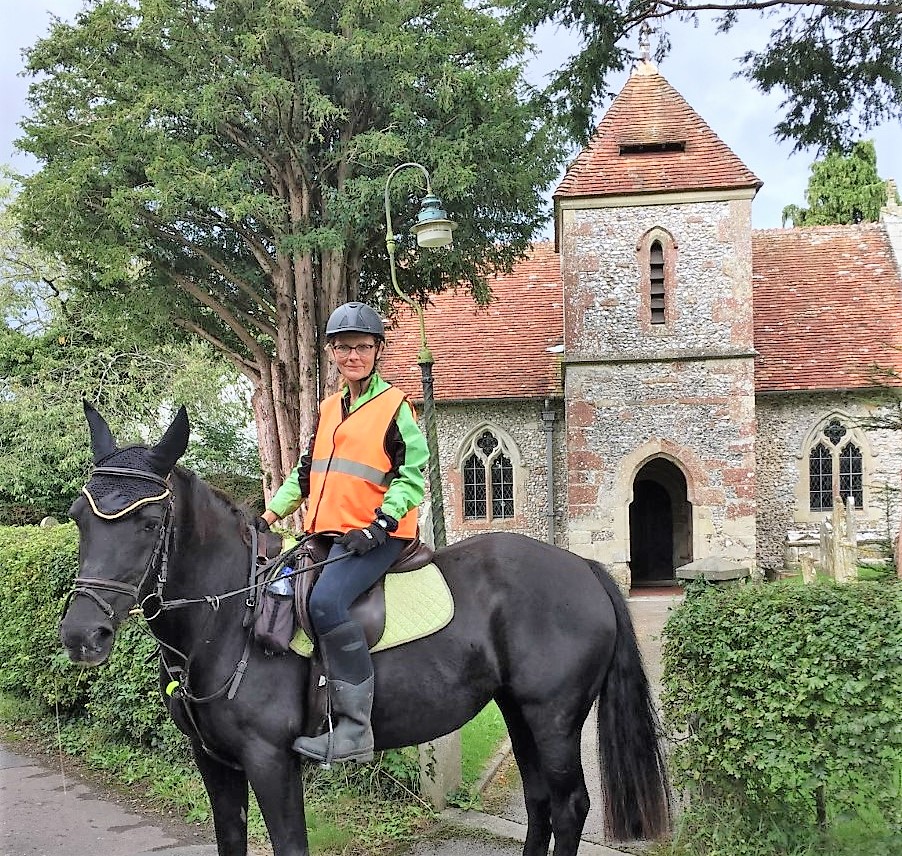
(634, 782)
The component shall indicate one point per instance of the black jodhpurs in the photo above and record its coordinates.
(342, 581)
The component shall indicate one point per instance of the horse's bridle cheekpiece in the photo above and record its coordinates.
(114, 492)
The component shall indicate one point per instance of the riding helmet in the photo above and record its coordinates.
(355, 318)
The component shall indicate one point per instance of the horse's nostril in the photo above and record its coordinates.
(102, 635)
(93, 640)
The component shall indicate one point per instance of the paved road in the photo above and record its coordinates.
(47, 813)
(44, 812)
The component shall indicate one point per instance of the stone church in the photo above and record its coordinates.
(664, 383)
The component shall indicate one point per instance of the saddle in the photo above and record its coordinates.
(369, 609)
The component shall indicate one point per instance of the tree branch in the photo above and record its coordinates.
(247, 368)
(225, 315)
(671, 6)
(154, 225)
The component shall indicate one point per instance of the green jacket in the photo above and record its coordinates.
(405, 445)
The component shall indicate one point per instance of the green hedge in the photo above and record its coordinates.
(787, 702)
(121, 699)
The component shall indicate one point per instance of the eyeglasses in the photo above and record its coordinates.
(344, 351)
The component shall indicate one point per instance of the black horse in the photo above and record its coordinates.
(540, 630)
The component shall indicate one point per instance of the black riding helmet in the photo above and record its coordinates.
(355, 318)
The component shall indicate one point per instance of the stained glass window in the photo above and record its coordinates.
(474, 488)
(820, 478)
(834, 432)
(851, 474)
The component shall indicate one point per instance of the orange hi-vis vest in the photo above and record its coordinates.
(350, 470)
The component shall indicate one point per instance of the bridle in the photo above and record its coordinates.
(159, 557)
(158, 563)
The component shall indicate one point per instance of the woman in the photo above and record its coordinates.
(362, 476)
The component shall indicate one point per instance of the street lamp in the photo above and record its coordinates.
(432, 229)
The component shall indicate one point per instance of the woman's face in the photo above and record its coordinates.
(355, 355)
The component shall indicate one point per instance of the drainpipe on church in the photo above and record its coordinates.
(548, 417)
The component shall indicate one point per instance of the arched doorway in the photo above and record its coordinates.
(660, 524)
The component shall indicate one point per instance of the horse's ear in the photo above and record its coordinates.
(102, 442)
(167, 452)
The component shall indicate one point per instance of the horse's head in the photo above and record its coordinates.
(124, 519)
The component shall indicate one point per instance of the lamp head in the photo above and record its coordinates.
(433, 228)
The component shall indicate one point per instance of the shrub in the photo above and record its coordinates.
(788, 700)
(121, 700)
(37, 567)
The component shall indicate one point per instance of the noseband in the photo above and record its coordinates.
(159, 557)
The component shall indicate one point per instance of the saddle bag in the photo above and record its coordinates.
(275, 625)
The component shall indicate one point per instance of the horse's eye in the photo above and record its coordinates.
(151, 525)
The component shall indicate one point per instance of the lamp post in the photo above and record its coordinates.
(432, 229)
(440, 759)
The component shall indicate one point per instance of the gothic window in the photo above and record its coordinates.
(488, 480)
(835, 461)
(657, 294)
(820, 478)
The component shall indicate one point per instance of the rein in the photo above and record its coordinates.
(179, 682)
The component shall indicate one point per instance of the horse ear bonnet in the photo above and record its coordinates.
(113, 496)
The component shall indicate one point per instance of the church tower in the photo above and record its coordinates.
(653, 227)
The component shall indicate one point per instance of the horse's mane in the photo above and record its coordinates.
(202, 506)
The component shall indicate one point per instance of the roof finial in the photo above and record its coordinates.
(644, 41)
(645, 66)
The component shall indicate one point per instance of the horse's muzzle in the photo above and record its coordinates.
(87, 646)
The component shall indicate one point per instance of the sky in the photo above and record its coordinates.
(701, 66)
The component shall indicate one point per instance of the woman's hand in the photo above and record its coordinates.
(361, 541)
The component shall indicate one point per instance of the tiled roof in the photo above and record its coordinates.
(649, 111)
(497, 351)
(828, 306)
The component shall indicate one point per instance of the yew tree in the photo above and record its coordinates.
(218, 166)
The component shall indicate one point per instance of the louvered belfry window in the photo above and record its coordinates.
(488, 481)
(835, 453)
(656, 279)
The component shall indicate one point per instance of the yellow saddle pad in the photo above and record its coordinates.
(417, 603)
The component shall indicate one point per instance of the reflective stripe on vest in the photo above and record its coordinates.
(350, 470)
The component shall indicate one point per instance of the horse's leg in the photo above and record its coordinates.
(557, 741)
(227, 789)
(275, 776)
(535, 788)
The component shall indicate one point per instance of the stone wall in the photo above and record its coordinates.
(602, 271)
(522, 424)
(786, 526)
(619, 418)
(683, 390)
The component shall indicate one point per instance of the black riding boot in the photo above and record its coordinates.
(349, 673)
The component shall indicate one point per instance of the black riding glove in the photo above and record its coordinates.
(361, 541)
(261, 525)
